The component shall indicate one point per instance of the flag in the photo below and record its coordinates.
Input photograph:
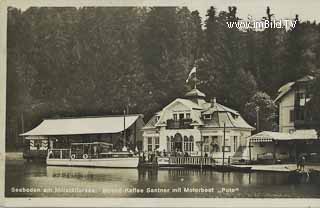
(193, 71)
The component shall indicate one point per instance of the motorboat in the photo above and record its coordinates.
(94, 154)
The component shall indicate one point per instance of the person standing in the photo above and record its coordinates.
(302, 163)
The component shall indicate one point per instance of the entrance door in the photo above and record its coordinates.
(178, 142)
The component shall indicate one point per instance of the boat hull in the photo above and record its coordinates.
(106, 162)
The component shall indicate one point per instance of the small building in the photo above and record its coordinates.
(275, 147)
(192, 126)
(60, 133)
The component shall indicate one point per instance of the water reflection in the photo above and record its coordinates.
(256, 184)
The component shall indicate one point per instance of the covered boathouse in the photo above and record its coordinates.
(60, 133)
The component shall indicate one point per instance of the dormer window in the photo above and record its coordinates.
(157, 118)
(207, 116)
(175, 117)
(235, 116)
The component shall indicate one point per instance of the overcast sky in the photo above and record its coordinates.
(283, 9)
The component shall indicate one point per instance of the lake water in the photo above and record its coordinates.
(25, 179)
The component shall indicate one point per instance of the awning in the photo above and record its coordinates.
(85, 125)
(269, 136)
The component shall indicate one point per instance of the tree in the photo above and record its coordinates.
(222, 70)
(261, 106)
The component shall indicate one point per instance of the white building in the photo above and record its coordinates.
(186, 123)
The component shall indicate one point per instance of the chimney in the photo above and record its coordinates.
(213, 101)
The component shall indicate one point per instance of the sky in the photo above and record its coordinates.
(283, 9)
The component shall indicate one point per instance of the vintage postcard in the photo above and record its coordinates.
(157, 103)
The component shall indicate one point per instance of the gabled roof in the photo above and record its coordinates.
(151, 123)
(306, 78)
(195, 93)
(284, 89)
(216, 107)
(224, 117)
(84, 125)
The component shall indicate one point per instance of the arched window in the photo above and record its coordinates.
(171, 143)
(185, 143)
(191, 142)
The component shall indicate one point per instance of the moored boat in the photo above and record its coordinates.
(95, 154)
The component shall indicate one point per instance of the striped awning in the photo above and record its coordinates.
(261, 139)
(269, 136)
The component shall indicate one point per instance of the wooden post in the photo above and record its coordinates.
(249, 150)
(274, 151)
(124, 128)
(258, 123)
(201, 140)
(224, 142)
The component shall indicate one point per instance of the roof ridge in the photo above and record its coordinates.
(102, 116)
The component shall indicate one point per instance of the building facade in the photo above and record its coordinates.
(291, 100)
(195, 127)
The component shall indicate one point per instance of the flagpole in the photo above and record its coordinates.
(195, 80)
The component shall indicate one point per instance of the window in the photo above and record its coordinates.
(205, 139)
(235, 143)
(175, 117)
(150, 144)
(207, 116)
(299, 114)
(188, 144)
(157, 118)
(206, 148)
(172, 143)
(215, 139)
(291, 119)
(157, 142)
(181, 116)
(227, 148)
(187, 115)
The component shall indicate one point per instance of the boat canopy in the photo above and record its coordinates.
(92, 143)
(84, 125)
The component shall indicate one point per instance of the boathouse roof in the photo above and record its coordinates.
(83, 125)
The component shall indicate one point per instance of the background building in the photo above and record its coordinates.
(291, 100)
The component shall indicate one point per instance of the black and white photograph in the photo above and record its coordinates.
(193, 100)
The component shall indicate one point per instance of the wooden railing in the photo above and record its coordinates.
(194, 160)
(59, 153)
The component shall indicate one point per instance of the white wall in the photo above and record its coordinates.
(286, 104)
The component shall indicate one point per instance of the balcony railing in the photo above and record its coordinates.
(179, 124)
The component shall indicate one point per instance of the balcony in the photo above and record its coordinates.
(179, 124)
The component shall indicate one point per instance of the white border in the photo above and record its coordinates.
(115, 202)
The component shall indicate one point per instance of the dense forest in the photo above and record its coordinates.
(97, 61)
